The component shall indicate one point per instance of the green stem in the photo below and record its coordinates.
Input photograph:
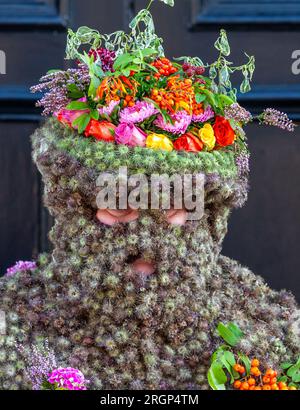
(149, 5)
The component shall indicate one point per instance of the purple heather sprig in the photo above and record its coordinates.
(242, 162)
(181, 119)
(56, 83)
(40, 362)
(238, 113)
(68, 379)
(138, 113)
(273, 117)
(20, 266)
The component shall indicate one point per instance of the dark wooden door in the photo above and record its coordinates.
(264, 234)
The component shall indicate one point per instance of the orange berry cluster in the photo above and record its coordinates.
(258, 380)
(129, 101)
(179, 94)
(164, 67)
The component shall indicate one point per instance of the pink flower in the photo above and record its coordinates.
(20, 266)
(68, 116)
(207, 115)
(108, 109)
(68, 379)
(138, 113)
(129, 134)
(181, 120)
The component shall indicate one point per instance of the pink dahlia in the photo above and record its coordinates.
(207, 115)
(129, 134)
(181, 119)
(138, 113)
(20, 266)
(68, 379)
(108, 109)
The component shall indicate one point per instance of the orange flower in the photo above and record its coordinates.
(223, 132)
(101, 130)
(188, 142)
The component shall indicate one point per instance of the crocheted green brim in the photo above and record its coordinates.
(102, 156)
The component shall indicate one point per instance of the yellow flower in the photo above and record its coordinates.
(207, 136)
(159, 141)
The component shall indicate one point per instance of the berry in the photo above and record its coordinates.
(242, 370)
(274, 386)
(185, 66)
(270, 373)
(255, 371)
(255, 363)
(292, 388)
(237, 384)
(200, 70)
(251, 381)
(164, 67)
(266, 379)
(244, 386)
(282, 385)
(266, 387)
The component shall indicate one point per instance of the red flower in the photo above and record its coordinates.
(101, 130)
(188, 142)
(223, 132)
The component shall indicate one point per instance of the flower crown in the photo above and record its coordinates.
(125, 91)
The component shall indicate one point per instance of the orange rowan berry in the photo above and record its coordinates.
(274, 386)
(251, 381)
(255, 371)
(270, 373)
(242, 370)
(252, 388)
(237, 384)
(266, 387)
(236, 367)
(257, 388)
(255, 363)
(244, 386)
(273, 380)
(281, 385)
(266, 380)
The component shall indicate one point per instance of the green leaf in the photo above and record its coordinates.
(168, 2)
(216, 376)
(294, 373)
(97, 70)
(74, 92)
(148, 52)
(226, 334)
(235, 329)
(95, 82)
(282, 379)
(222, 44)
(123, 60)
(95, 114)
(229, 356)
(82, 122)
(77, 105)
(200, 98)
(245, 359)
(286, 365)
(245, 86)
